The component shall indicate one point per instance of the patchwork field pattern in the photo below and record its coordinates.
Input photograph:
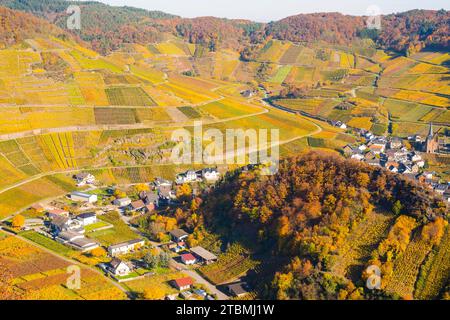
(41, 275)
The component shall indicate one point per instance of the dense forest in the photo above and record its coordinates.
(107, 27)
(305, 212)
(17, 26)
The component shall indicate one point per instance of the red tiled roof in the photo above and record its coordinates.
(183, 282)
(187, 257)
(138, 204)
(57, 211)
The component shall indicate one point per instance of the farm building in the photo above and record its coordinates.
(183, 283)
(83, 197)
(68, 236)
(125, 247)
(84, 244)
(238, 289)
(76, 240)
(203, 255)
(178, 235)
(36, 222)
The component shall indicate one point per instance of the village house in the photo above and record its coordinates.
(183, 283)
(138, 205)
(178, 235)
(149, 198)
(247, 93)
(176, 247)
(369, 156)
(357, 156)
(159, 182)
(203, 255)
(84, 178)
(440, 188)
(446, 195)
(395, 143)
(122, 202)
(118, 268)
(83, 197)
(149, 208)
(187, 177)
(376, 149)
(348, 150)
(238, 289)
(210, 174)
(38, 208)
(188, 259)
(165, 195)
(125, 247)
(59, 224)
(374, 162)
(415, 157)
(52, 213)
(393, 169)
(87, 218)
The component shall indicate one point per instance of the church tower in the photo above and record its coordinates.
(431, 143)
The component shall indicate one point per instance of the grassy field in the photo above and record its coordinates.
(46, 242)
(29, 193)
(120, 233)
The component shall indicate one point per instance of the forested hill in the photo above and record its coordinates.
(17, 26)
(310, 207)
(406, 32)
(108, 27)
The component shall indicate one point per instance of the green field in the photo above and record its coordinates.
(128, 96)
(46, 242)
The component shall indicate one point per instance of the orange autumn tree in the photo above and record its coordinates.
(18, 221)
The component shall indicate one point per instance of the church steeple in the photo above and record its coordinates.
(430, 132)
